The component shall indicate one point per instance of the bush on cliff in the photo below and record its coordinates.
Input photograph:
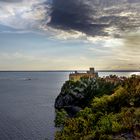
(81, 93)
(109, 117)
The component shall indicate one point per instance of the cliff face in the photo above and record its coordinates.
(69, 100)
(76, 95)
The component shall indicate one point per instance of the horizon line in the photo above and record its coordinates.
(123, 70)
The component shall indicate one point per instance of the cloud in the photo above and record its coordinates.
(24, 14)
(75, 15)
(132, 41)
(10, 0)
(106, 18)
(96, 18)
(114, 54)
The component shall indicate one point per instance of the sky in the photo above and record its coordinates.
(69, 34)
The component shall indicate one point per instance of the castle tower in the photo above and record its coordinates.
(92, 70)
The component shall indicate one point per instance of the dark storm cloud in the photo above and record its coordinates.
(93, 16)
(76, 15)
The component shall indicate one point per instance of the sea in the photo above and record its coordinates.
(27, 103)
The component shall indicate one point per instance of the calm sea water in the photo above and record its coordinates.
(27, 103)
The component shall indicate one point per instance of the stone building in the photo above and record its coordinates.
(89, 74)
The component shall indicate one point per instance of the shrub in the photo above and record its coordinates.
(61, 117)
(106, 117)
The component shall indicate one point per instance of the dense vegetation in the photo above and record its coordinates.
(109, 111)
(80, 93)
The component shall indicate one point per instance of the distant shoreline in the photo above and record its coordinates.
(68, 70)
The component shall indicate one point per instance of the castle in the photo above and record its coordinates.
(89, 74)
